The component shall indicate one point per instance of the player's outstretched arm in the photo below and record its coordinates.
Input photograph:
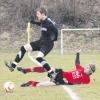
(77, 60)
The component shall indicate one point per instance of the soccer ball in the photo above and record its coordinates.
(9, 86)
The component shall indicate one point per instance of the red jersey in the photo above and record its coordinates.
(77, 76)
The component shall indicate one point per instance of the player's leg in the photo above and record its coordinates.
(36, 84)
(18, 57)
(25, 70)
(44, 50)
(29, 83)
(46, 83)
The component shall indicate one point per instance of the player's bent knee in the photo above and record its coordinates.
(40, 54)
(28, 47)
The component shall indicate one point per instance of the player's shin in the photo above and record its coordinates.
(43, 63)
(29, 83)
(39, 69)
(19, 57)
(51, 71)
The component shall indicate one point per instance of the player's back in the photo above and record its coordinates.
(49, 30)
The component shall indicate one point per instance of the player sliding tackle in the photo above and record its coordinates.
(44, 45)
(80, 75)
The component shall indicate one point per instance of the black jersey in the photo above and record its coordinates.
(48, 29)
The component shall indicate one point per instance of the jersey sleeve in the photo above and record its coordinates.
(79, 67)
(77, 60)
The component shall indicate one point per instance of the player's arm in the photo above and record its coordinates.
(55, 33)
(77, 60)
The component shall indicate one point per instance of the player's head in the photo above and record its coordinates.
(41, 13)
(90, 69)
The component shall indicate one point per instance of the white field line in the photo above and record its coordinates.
(71, 93)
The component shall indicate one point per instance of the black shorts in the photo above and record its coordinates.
(59, 78)
(44, 46)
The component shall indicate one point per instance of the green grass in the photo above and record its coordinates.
(85, 92)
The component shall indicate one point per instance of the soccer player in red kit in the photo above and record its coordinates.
(80, 75)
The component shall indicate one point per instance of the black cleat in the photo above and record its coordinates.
(9, 65)
(25, 84)
(21, 70)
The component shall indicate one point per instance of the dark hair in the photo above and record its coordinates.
(93, 68)
(42, 10)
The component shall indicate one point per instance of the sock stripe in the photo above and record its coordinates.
(19, 54)
(43, 63)
(15, 63)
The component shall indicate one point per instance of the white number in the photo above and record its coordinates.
(76, 74)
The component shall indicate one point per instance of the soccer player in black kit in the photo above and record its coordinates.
(49, 34)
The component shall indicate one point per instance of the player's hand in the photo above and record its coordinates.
(78, 50)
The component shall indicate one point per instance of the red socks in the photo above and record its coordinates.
(38, 69)
(33, 83)
(26, 70)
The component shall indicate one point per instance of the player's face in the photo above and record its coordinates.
(39, 15)
(88, 70)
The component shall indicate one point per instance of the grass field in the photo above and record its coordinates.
(84, 92)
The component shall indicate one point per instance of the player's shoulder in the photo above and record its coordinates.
(79, 66)
(50, 21)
